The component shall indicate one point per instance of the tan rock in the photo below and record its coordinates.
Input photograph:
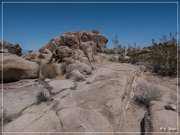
(17, 68)
(11, 48)
(19, 95)
(62, 52)
(59, 85)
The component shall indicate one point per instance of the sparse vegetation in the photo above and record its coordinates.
(41, 97)
(48, 70)
(146, 95)
(63, 67)
(95, 31)
(160, 58)
(117, 45)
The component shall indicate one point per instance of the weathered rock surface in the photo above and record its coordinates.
(59, 85)
(75, 75)
(74, 39)
(20, 95)
(159, 119)
(79, 45)
(62, 52)
(13, 49)
(16, 68)
(105, 104)
(38, 57)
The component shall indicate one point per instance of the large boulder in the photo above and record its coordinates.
(16, 68)
(75, 75)
(11, 48)
(161, 119)
(62, 52)
(84, 68)
(38, 57)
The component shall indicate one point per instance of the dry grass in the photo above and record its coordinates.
(48, 71)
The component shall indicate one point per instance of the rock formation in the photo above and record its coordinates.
(10, 48)
(84, 92)
(16, 68)
(88, 42)
(106, 102)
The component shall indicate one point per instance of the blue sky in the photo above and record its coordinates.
(33, 25)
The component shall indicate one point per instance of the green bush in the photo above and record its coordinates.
(41, 97)
(48, 71)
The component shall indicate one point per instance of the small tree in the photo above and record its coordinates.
(115, 41)
(117, 44)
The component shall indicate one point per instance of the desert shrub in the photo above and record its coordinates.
(48, 71)
(94, 60)
(95, 31)
(3, 116)
(162, 59)
(63, 67)
(136, 58)
(147, 93)
(41, 97)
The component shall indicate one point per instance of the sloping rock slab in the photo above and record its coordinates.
(59, 85)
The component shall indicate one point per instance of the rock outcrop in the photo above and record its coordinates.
(10, 48)
(77, 50)
(16, 68)
(88, 42)
(104, 103)
(61, 53)
(74, 40)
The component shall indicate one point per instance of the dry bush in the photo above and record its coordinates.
(146, 93)
(163, 59)
(63, 67)
(48, 71)
(95, 31)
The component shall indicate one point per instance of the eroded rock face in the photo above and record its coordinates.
(16, 68)
(76, 40)
(104, 103)
(11, 48)
(78, 48)
(61, 53)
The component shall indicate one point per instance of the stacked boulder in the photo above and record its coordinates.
(71, 54)
(76, 50)
(7, 47)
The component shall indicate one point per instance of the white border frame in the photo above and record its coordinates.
(177, 3)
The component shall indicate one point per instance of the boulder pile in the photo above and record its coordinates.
(7, 47)
(75, 50)
(72, 54)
